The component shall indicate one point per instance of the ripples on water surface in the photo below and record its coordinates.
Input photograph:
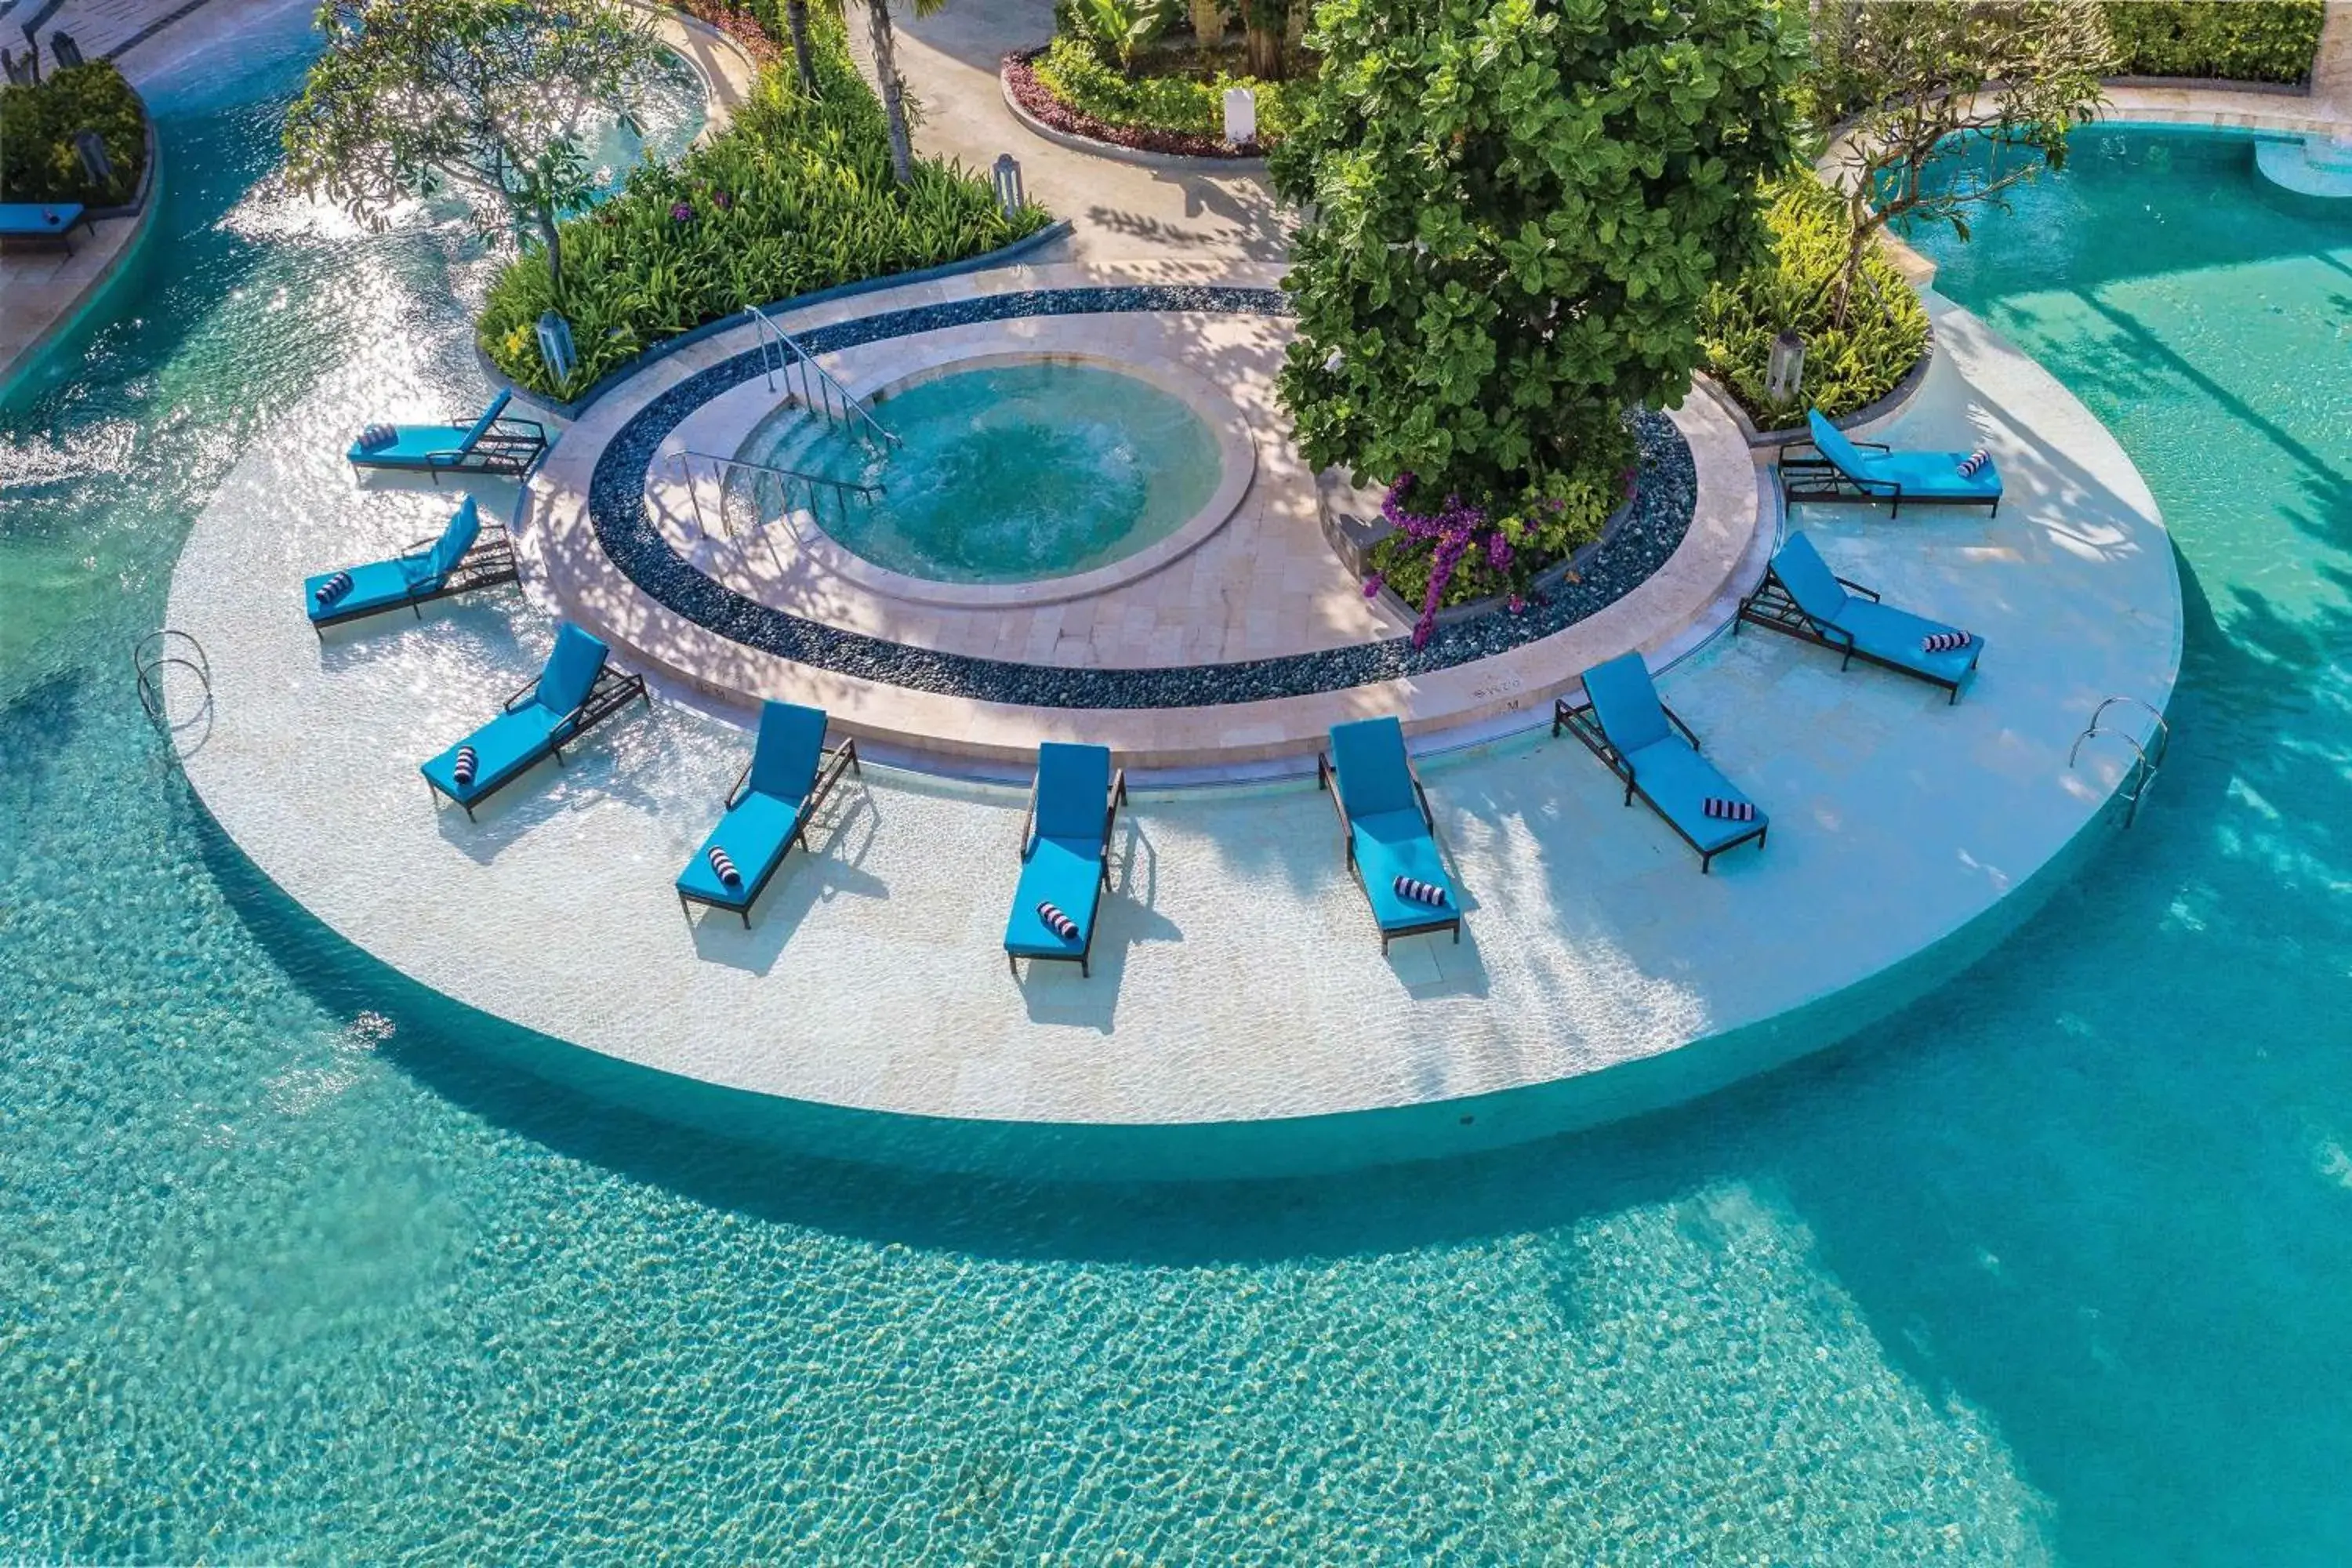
(2056, 1266)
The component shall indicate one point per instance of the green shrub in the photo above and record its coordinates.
(795, 194)
(37, 160)
(2235, 40)
(1193, 102)
(1845, 369)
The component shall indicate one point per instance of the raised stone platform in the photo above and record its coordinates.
(1238, 983)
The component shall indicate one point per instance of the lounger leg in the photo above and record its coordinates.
(1083, 972)
(747, 917)
(1014, 964)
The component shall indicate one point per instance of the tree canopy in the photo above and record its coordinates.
(1517, 206)
(485, 97)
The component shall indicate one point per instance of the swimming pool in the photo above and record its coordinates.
(1010, 473)
(2050, 1267)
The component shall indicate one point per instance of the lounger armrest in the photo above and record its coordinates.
(1851, 586)
(1110, 812)
(742, 787)
(1803, 450)
(1029, 821)
(503, 421)
(523, 693)
(1428, 820)
(1327, 778)
(1676, 720)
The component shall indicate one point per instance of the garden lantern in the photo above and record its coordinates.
(64, 51)
(91, 148)
(1784, 372)
(1241, 115)
(1007, 172)
(555, 346)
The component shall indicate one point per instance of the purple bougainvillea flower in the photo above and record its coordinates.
(1518, 603)
(721, 200)
(682, 212)
(1372, 586)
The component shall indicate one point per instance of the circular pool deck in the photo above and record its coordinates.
(1237, 976)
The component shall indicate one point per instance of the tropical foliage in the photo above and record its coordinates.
(1847, 366)
(1518, 208)
(489, 98)
(1908, 77)
(796, 194)
(1191, 103)
(38, 159)
(2236, 41)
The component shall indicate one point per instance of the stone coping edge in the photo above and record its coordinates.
(1002, 256)
(1198, 164)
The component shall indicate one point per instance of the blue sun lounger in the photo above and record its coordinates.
(1832, 467)
(1802, 597)
(768, 811)
(42, 225)
(464, 557)
(1623, 723)
(574, 694)
(490, 445)
(1386, 831)
(1064, 855)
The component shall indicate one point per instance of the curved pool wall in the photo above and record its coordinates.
(2049, 1272)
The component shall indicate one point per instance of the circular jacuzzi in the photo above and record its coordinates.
(1019, 473)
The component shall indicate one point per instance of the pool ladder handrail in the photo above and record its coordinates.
(841, 491)
(149, 657)
(819, 392)
(2146, 763)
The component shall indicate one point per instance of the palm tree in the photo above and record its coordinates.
(893, 91)
(796, 22)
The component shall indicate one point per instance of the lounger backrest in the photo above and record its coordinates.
(489, 417)
(1809, 579)
(456, 540)
(791, 747)
(1369, 756)
(1835, 447)
(571, 669)
(1073, 790)
(1626, 704)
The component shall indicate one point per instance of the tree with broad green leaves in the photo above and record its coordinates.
(486, 97)
(1518, 207)
(1904, 78)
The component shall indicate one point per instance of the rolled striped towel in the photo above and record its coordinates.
(1724, 810)
(1420, 892)
(721, 863)
(463, 769)
(1973, 462)
(334, 588)
(1058, 922)
(376, 438)
(1944, 642)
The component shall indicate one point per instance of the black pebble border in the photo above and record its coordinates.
(1666, 494)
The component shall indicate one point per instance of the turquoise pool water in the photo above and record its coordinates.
(2053, 1267)
(1012, 472)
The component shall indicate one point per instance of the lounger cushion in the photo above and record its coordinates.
(378, 586)
(1936, 474)
(754, 834)
(1626, 704)
(1373, 776)
(376, 438)
(413, 446)
(481, 426)
(1067, 874)
(465, 527)
(1809, 580)
(1393, 844)
(505, 746)
(790, 749)
(1885, 633)
(572, 670)
(1073, 792)
(1678, 781)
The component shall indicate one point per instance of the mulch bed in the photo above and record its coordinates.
(1038, 98)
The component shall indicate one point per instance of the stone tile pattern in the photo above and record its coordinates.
(1666, 494)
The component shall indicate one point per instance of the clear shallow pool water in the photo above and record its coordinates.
(2052, 1267)
(1011, 473)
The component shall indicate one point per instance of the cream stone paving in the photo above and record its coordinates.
(1237, 974)
(574, 577)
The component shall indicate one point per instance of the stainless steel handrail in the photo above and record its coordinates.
(841, 491)
(824, 395)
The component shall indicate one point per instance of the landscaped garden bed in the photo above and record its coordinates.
(39, 161)
(1174, 106)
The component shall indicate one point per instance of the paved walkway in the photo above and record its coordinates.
(1237, 974)
(1120, 211)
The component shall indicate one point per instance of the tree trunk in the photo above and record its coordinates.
(554, 241)
(894, 92)
(796, 20)
(1264, 45)
(1294, 31)
(1208, 20)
